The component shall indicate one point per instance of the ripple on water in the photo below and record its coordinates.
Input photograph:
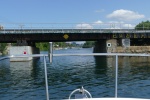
(26, 80)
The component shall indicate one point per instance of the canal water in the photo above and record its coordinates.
(25, 80)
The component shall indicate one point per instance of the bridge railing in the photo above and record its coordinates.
(19, 28)
(67, 26)
(44, 31)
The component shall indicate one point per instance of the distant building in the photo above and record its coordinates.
(73, 43)
(1, 27)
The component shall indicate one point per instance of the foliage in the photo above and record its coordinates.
(43, 46)
(143, 26)
(3, 47)
(88, 44)
(60, 44)
(13, 44)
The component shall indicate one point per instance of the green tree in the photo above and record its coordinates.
(43, 46)
(88, 44)
(61, 44)
(144, 25)
(3, 47)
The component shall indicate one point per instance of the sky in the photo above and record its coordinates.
(75, 11)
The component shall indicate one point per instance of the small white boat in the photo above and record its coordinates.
(111, 99)
(80, 94)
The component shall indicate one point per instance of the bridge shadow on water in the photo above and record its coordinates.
(100, 64)
(105, 74)
(104, 63)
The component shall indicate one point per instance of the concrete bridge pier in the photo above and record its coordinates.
(105, 46)
(23, 50)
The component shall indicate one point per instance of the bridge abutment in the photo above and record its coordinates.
(105, 46)
(121, 46)
(23, 50)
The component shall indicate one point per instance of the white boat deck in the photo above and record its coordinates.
(110, 99)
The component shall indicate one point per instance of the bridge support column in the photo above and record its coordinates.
(23, 50)
(105, 46)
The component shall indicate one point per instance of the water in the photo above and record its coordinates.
(25, 80)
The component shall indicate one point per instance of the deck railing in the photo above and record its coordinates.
(63, 26)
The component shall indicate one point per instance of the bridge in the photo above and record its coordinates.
(68, 32)
(107, 38)
(54, 35)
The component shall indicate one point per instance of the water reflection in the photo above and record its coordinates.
(133, 75)
(104, 69)
(132, 65)
(4, 70)
(22, 80)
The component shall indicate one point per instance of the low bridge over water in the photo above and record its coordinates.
(54, 35)
(53, 32)
(108, 39)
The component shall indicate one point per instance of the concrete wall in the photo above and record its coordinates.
(111, 46)
(22, 50)
(103, 46)
(133, 49)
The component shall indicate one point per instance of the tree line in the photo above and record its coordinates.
(45, 46)
(3, 47)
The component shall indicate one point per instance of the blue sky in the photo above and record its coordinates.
(74, 11)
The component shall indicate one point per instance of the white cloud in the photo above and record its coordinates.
(118, 25)
(84, 26)
(116, 22)
(98, 22)
(128, 26)
(125, 15)
(109, 25)
(121, 25)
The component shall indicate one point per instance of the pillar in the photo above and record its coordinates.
(23, 50)
(105, 46)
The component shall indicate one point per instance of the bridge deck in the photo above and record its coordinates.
(53, 35)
